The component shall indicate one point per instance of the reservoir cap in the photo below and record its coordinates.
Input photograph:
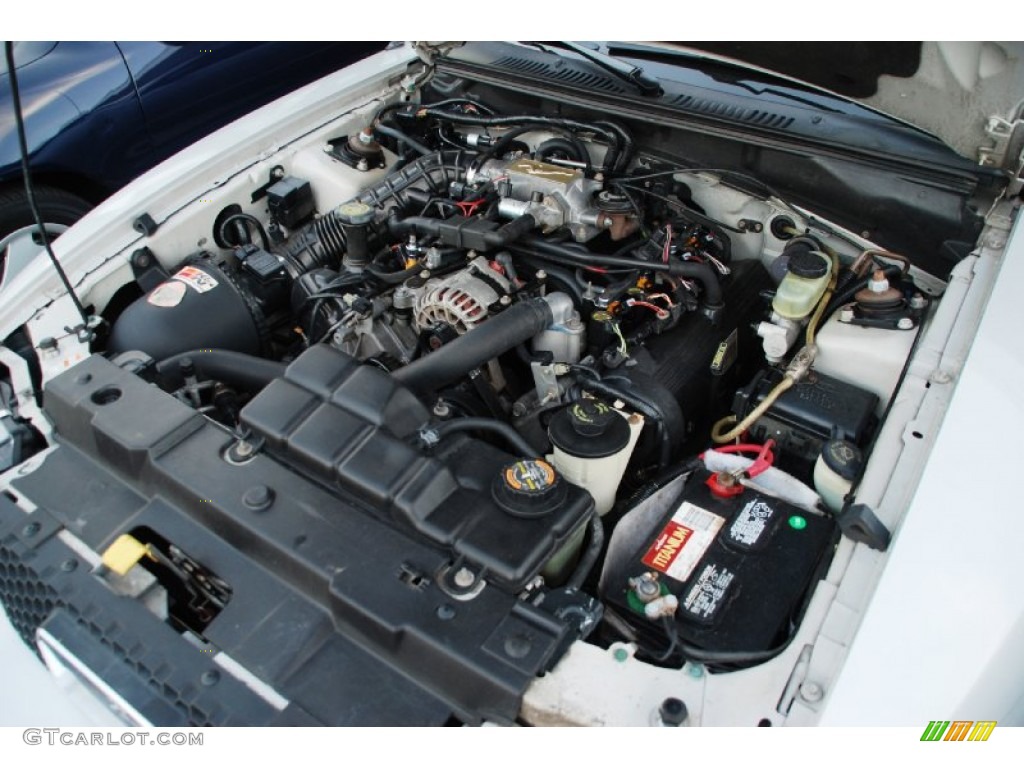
(528, 488)
(589, 429)
(843, 457)
(809, 264)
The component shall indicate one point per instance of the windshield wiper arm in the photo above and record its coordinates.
(648, 86)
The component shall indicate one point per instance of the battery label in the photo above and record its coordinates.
(746, 530)
(708, 593)
(683, 541)
(196, 279)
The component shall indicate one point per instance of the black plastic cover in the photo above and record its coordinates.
(344, 611)
(346, 425)
(813, 411)
(290, 201)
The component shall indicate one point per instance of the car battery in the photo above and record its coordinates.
(740, 567)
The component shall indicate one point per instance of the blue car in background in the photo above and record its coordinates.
(98, 114)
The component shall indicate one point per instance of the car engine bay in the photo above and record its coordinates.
(423, 403)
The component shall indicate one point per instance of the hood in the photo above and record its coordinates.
(969, 94)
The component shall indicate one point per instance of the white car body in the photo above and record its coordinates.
(931, 628)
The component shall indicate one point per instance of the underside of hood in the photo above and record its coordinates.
(969, 94)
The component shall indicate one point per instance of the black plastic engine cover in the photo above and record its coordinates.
(338, 603)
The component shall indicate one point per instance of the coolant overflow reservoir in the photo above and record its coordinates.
(592, 445)
(805, 282)
(837, 467)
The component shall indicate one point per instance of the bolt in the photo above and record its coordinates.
(917, 301)
(621, 654)
(441, 409)
(646, 588)
(672, 711)
(69, 565)
(811, 692)
(209, 677)
(243, 449)
(695, 671)
(31, 529)
(846, 315)
(904, 323)
(505, 301)
(518, 646)
(362, 165)
(445, 612)
(464, 578)
(258, 497)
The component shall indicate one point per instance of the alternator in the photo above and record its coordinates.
(462, 300)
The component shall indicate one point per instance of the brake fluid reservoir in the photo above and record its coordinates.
(805, 282)
(592, 445)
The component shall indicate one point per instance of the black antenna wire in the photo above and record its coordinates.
(18, 118)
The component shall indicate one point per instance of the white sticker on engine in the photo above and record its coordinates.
(196, 279)
(706, 595)
(750, 523)
(683, 541)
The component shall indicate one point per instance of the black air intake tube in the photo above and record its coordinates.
(498, 335)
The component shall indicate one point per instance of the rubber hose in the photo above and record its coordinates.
(394, 133)
(458, 357)
(246, 372)
(716, 431)
(451, 232)
(593, 551)
(505, 431)
(702, 273)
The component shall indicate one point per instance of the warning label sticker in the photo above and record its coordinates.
(683, 541)
(750, 523)
(196, 279)
(705, 597)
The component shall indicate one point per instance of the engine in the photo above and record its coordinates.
(563, 382)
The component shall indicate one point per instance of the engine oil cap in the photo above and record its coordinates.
(529, 488)
(589, 429)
